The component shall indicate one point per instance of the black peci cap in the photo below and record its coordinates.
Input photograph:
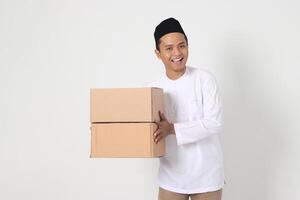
(169, 25)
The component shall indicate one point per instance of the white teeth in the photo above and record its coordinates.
(177, 60)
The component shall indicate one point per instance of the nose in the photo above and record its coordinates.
(176, 51)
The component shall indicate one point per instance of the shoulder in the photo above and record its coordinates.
(201, 74)
(205, 81)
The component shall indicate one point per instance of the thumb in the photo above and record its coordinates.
(162, 116)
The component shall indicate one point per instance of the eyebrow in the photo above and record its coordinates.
(170, 45)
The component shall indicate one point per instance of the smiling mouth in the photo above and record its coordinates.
(177, 60)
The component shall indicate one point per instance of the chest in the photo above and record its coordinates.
(183, 101)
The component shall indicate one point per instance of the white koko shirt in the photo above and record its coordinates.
(193, 162)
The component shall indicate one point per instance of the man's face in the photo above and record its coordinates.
(173, 51)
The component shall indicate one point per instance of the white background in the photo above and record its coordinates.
(53, 52)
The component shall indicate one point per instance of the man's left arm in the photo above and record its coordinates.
(212, 121)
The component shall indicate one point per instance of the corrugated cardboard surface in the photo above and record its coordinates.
(125, 140)
(126, 104)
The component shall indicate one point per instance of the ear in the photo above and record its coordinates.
(157, 54)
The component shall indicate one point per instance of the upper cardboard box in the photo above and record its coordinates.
(126, 104)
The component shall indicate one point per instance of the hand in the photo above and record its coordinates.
(164, 128)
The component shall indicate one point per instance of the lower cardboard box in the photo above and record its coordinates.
(131, 140)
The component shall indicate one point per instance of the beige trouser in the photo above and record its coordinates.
(168, 195)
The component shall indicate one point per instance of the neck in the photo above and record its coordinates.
(173, 75)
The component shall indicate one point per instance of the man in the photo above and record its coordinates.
(193, 163)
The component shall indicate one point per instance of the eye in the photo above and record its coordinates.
(168, 48)
(182, 46)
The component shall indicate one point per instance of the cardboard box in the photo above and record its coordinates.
(126, 104)
(125, 140)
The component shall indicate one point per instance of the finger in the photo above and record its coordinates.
(162, 116)
(156, 126)
(158, 138)
(159, 115)
(156, 133)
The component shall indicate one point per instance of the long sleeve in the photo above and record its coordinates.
(210, 123)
